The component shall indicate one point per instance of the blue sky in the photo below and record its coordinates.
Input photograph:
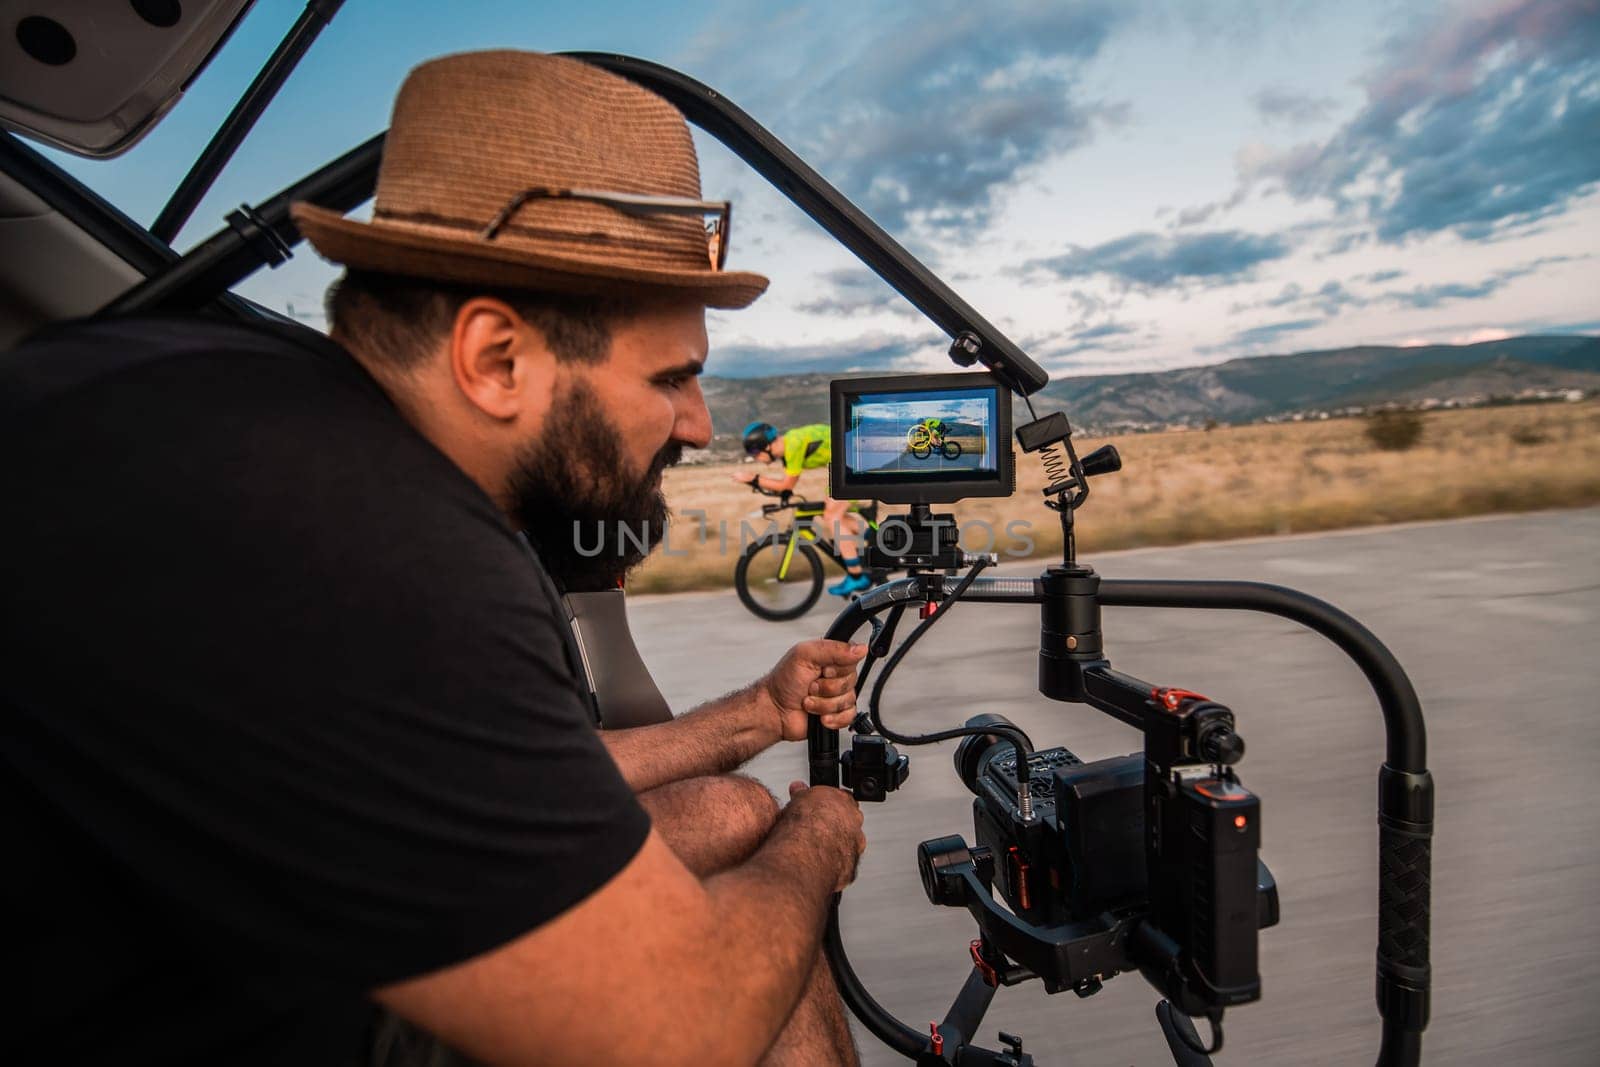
(1120, 186)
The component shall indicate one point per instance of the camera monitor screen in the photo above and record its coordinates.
(924, 438)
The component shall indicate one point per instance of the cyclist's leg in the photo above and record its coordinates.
(845, 530)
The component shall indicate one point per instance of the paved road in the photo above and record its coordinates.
(1494, 619)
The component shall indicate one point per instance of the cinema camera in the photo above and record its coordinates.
(1146, 862)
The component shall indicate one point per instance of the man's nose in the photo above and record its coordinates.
(693, 425)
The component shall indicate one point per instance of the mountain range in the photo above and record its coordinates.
(1241, 390)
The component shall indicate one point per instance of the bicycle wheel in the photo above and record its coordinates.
(951, 449)
(922, 452)
(772, 590)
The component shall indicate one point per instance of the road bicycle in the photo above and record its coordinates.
(779, 576)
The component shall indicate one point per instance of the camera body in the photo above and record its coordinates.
(1168, 859)
(1082, 852)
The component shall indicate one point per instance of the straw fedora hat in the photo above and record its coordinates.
(516, 170)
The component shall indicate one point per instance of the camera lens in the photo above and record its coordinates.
(971, 751)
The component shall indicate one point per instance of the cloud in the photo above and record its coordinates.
(1431, 296)
(1151, 260)
(1475, 333)
(1101, 338)
(931, 112)
(1482, 120)
(1107, 329)
(1480, 335)
(1286, 105)
(1289, 294)
(1194, 216)
(1333, 298)
(851, 291)
(1054, 350)
(1329, 299)
(876, 351)
(1261, 335)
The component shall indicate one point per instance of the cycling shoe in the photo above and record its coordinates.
(852, 584)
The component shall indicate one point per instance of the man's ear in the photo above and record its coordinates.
(498, 361)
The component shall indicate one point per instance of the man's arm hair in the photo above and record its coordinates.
(655, 967)
(714, 738)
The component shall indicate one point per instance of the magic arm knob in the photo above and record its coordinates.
(1103, 460)
(1220, 744)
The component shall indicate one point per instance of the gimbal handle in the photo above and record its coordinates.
(1405, 789)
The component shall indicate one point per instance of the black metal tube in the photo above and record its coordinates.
(961, 1022)
(225, 142)
(1407, 748)
(885, 1027)
(823, 743)
(229, 255)
(1399, 1046)
(85, 208)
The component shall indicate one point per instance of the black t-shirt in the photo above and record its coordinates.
(286, 710)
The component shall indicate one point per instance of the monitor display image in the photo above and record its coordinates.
(931, 437)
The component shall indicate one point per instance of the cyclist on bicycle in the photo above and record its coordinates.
(933, 429)
(801, 449)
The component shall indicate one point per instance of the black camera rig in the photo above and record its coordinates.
(1146, 862)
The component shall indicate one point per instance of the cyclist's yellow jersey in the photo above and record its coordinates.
(805, 448)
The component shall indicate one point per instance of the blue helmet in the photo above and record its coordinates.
(757, 436)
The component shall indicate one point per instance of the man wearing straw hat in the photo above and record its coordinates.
(293, 729)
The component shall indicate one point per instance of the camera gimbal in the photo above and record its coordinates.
(1183, 899)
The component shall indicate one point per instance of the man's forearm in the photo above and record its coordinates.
(714, 738)
(722, 961)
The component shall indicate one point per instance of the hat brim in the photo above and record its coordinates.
(396, 249)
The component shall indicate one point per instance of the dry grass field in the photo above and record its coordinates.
(1224, 483)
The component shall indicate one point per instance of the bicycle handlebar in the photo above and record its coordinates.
(786, 497)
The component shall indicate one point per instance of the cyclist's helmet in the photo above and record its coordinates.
(757, 436)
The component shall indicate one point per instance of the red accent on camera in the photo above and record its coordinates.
(991, 978)
(1021, 878)
(1172, 698)
(936, 1040)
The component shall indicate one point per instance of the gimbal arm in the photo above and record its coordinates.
(1405, 794)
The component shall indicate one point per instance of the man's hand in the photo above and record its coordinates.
(746, 477)
(813, 678)
(836, 817)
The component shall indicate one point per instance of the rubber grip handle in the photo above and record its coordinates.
(1405, 877)
(1405, 863)
(823, 746)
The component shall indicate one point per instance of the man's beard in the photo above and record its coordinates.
(573, 496)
